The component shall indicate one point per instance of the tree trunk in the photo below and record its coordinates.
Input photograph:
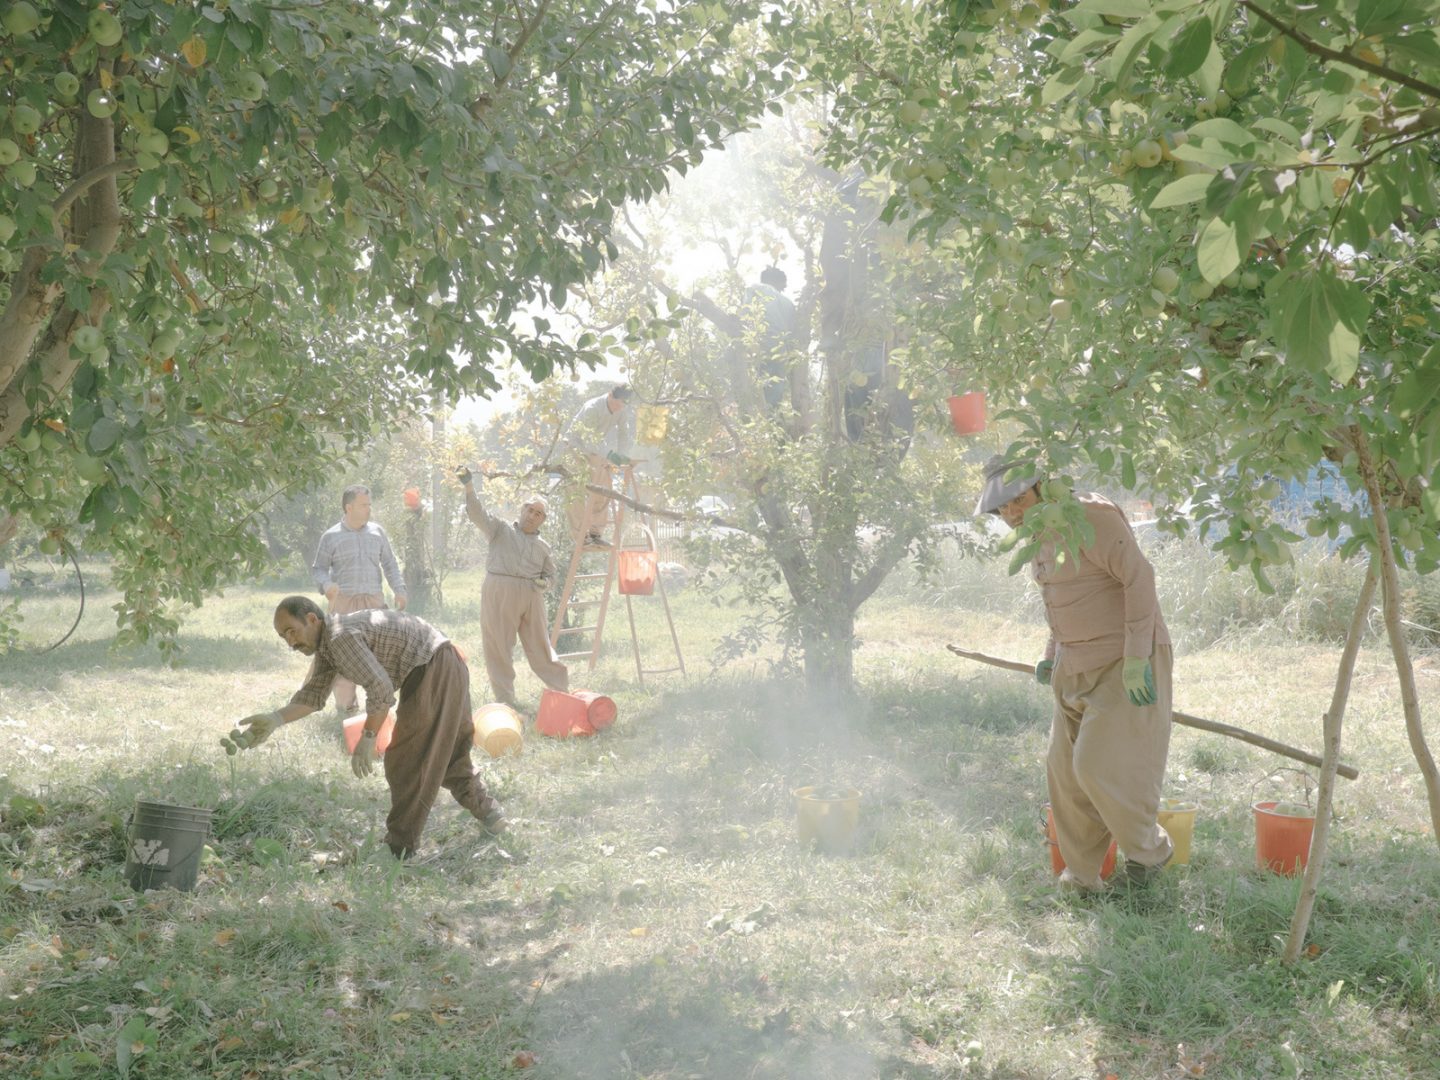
(1319, 842)
(1390, 583)
(827, 636)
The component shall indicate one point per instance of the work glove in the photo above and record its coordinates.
(463, 474)
(362, 761)
(1139, 680)
(617, 458)
(542, 584)
(258, 728)
(1043, 670)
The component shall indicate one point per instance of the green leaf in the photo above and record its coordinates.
(1187, 189)
(104, 434)
(1261, 581)
(1419, 388)
(1190, 49)
(1217, 250)
(1123, 9)
(1211, 71)
(1061, 85)
(1320, 319)
(1226, 131)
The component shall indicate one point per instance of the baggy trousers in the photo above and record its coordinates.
(343, 605)
(1106, 765)
(511, 606)
(587, 511)
(430, 749)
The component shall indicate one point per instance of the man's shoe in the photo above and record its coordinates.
(596, 540)
(347, 711)
(1070, 883)
(494, 821)
(1136, 873)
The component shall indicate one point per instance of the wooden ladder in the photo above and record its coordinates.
(640, 670)
(578, 575)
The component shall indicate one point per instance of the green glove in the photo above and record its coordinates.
(462, 473)
(258, 728)
(1139, 680)
(362, 761)
(1043, 670)
(617, 458)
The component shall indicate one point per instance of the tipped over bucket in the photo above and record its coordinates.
(497, 729)
(1177, 818)
(163, 846)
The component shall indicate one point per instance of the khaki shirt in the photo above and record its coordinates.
(595, 429)
(376, 649)
(1102, 606)
(513, 552)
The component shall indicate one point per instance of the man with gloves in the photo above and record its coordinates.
(600, 433)
(388, 652)
(518, 571)
(1108, 662)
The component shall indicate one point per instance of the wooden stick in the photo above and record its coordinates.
(610, 493)
(1347, 771)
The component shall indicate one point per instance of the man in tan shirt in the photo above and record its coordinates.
(518, 570)
(1108, 662)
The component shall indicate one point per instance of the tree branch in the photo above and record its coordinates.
(1341, 56)
(90, 179)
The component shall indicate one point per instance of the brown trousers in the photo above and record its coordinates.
(431, 749)
(587, 511)
(1106, 765)
(510, 607)
(345, 689)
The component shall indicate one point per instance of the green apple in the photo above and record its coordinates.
(89, 338)
(221, 243)
(29, 441)
(165, 343)
(22, 173)
(104, 28)
(911, 113)
(188, 207)
(1249, 280)
(1060, 310)
(935, 171)
(20, 18)
(101, 103)
(7, 228)
(91, 469)
(910, 170)
(154, 142)
(25, 119)
(50, 546)
(1202, 289)
(9, 152)
(919, 187)
(250, 86)
(267, 188)
(1165, 279)
(1146, 153)
(311, 201)
(67, 86)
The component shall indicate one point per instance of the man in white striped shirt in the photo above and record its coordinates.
(352, 555)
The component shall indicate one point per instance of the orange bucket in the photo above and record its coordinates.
(1057, 861)
(600, 711)
(355, 724)
(1282, 841)
(560, 714)
(638, 570)
(497, 729)
(967, 412)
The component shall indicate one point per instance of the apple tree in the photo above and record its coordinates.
(236, 237)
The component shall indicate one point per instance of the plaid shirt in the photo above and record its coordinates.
(353, 559)
(375, 649)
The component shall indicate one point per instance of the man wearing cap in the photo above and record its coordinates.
(1108, 662)
(600, 434)
(389, 652)
(518, 571)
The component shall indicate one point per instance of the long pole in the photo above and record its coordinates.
(1295, 754)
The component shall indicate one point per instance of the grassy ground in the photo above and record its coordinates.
(652, 914)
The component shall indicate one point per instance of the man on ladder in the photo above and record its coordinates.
(601, 433)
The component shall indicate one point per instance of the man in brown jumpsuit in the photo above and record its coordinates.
(385, 651)
(1109, 663)
(518, 570)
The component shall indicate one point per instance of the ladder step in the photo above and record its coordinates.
(572, 655)
(577, 629)
(660, 670)
(580, 603)
(590, 577)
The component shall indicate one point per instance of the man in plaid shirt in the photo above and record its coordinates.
(385, 652)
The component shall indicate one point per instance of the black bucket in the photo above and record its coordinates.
(163, 846)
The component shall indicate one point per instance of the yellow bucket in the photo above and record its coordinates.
(827, 814)
(1177, 818)
(497, 730)
(651, 423)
